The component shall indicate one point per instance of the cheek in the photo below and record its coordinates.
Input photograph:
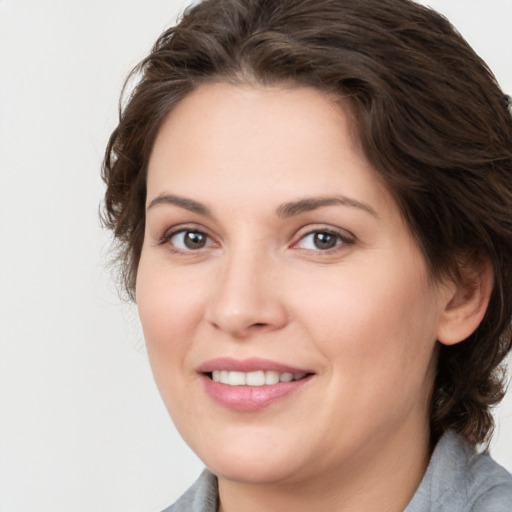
(169, 314)
(378, 325)
(168, 310)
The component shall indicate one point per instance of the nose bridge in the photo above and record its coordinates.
(246, 298)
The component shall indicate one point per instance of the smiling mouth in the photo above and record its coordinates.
(253, 384)
(254, 378)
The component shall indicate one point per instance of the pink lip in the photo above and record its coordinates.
(249, 398)
(248, 365)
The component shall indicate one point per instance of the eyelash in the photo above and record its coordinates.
(342, 239)
(169, 235)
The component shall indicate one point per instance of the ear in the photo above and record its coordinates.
(465, 301)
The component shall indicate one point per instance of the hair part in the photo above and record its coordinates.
(428, 112)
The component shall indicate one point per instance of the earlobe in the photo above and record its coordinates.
(465, 302)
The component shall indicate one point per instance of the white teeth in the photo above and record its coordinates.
(271, 377)
(236, 378)
(257, 378)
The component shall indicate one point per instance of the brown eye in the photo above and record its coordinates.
(189, 240)
(194, 240)
(321, 240)
(325, 241)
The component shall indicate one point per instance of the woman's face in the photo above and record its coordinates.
(275, 257)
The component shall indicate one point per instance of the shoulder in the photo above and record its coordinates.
(487, 486)
(460, 479)
(490, 487)
(201, 497)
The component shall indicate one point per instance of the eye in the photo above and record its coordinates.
(188, 240)
(322, 240)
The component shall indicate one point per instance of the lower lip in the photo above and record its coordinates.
(250, 398)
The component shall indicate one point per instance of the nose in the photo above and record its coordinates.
(248, 298)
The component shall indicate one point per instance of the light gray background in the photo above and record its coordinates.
(82, 427)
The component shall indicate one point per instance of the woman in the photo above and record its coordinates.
(312, 200)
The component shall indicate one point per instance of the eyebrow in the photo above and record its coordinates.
(182, 202)
(285, 210)
(312, 203)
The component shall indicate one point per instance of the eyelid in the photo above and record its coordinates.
(345, 237)
(181, 228)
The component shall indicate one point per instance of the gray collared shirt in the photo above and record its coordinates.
(457, 480)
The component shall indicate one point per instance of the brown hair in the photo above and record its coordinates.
(431, 119)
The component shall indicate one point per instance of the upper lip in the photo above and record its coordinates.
(248, 365)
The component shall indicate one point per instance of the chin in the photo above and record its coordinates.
(250, 461)
(252, 470)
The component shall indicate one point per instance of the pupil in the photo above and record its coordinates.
(325, 240)
(194, 240)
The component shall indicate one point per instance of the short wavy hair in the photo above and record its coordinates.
(431, 119)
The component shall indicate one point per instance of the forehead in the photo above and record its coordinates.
(286, 113)
(232, 139)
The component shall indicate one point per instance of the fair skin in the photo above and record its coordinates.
(271, 241)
